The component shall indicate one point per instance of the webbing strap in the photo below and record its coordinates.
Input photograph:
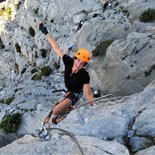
(59, 90)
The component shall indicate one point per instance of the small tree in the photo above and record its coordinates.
(101, 48)
(46, 70)
(18, 48)
(17, 6)
(10, 123)
(43, 53)
(2, 1)
(37, 76)
(9, 100)
(8, 12)
(36, 10)
(148, 15)
(31, 32)
(33, 70)
(2, 101)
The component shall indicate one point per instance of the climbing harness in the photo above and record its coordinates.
(69, 95)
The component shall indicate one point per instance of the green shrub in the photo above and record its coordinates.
(9, 100)
(2, 46)
(43, 53)
(36, 10)
(2, 101)
(56, 65)
(33, 70)
(2, 1)
(37, 76)
(52, 20)
(2, 12)
(17, 6)
(31, 32)
(18, 48)
(46, 70)
(10, 123)
(101, 48)
(8, 12)
(126, 12)
(121, 7)
(23, 71)
(3, 7)
(148, 15)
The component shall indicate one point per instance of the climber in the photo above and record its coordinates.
(75, 76)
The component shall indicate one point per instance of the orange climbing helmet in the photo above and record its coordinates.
(83, 55)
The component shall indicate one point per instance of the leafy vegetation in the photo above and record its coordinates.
(2, 1)
(33, 70)
(10, 123)
(2, 46)
(23, 71)
(31, 32)
(17, 6)
(3, 7)
(2, 11)
(148, 15)
(6, 11)
(125, 11)
(52, 20)
(37, 76)
(46, 70)
(9, 100)
(101, 48)
(18, 48)
(2, 101)
(36, 10)
(43, 53)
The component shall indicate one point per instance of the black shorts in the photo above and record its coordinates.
(74, 96)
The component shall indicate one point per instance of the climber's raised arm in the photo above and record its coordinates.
(52, 42)
(55, 46)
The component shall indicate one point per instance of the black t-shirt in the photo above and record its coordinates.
(74, 82)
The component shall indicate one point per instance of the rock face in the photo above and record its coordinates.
(62, 144)
(25, 46)
(7, 139)
(129, 120)
(27, 43)
(135, 8)
(127, 67)
(105, 128)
